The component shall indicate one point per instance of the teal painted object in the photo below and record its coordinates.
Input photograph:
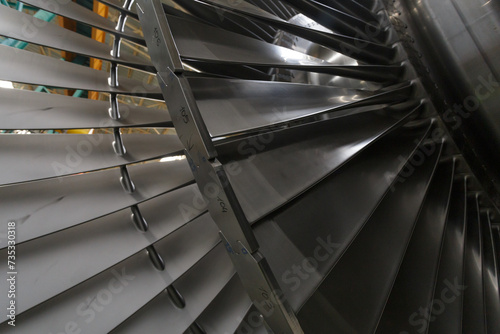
(47, 17)
(41, 14)
(42, 89)
(78, 93)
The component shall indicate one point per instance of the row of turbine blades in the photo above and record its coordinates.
(309, 103)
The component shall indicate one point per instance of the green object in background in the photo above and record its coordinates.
(41, 14)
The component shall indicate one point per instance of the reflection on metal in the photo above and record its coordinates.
(273, 144)
(317, 179)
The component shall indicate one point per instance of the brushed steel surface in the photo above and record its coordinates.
(473, 318)
(38, 206)
(415, 280)
(31, 68)
(231, 106)
(200, 42)
(451, 266)
(136, 279)
(117, 240)
(79, 13)
(65, 154)
(352, 295)
(14, 24)
(274, 173)
(334, 211)
(22, 109)
(198, 287)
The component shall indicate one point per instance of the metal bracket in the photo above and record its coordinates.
(261, 285)
(224, 206)
(118, 145)
(236, 232)
(126, 181)
(159, 39)
(138, 219)
(186, 116)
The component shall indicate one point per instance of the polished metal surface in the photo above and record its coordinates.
(65, 154)
(290, 152)
(56, 252)
(339, 212)
(22, 109)
(337, 20)
(230, 106)
(373, 259)
(451, 263)
(13, 24)
(27, 67)
(140, 282)
(49, 199)
(203, 43)
(81, 14)
(459, 39)
(315, 181)
(425, 243)
(474, 319)
(355, 47)
(198, 287)
(266, 181)
(490, 276)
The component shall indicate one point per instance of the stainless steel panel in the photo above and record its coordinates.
(333, 212)
(22, 109)
(14, 24)
(232, 106)
(81, 14)
(64, 154)
(198, 287)
(274, 172)
(122, 289)
(201, 42)
(351, 297)
(98, 245)
(415, 281)
(451, 267)
(38, 207)
(473, 315)
(27, 67)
